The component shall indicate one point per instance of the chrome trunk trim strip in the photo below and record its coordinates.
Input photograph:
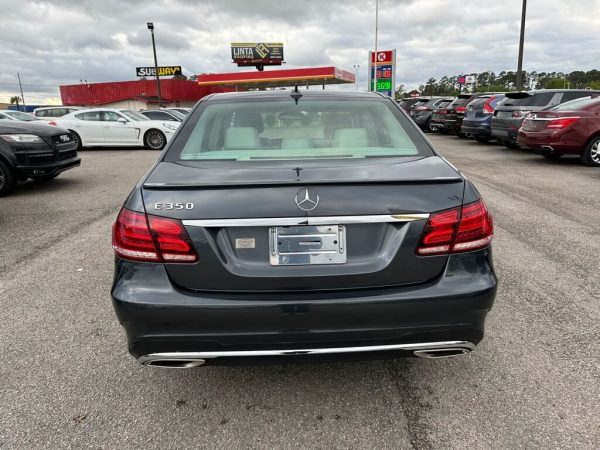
(288, 221)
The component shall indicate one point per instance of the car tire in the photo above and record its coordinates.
(155, 139)
(7, 179)
(552, 156)
(591, 154)
(77, 139)
(482, 139)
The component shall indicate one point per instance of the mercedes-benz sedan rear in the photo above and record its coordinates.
(315, 225)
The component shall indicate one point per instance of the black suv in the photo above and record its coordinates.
(509, 113)
(30, 150)
(455, 112)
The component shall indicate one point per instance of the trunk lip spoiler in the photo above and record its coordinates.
(160, 186)
(305, 220)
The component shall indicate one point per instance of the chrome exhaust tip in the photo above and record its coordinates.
(437, 353)
(547, 148)
(172, 363)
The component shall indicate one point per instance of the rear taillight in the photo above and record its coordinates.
(460, 109)
(442, 111)
(52, 123)
(563, 122)
(422, 108)
(487, 107)
(457, 230)
(139, 237)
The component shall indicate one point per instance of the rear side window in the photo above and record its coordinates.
(580, 103)
(90, 115)
(41, 113)
(277, 129)
(538, 99)
(568, 96)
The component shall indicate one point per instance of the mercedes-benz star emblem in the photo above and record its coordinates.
(307, 199)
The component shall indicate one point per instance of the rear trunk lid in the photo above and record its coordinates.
(238, 218)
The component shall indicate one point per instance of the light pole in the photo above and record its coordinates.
(356, 67)
(521, 41)
(376, 32)
(150, 26)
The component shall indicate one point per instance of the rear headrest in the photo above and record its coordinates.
(297, 143)
(350, 137)
(241, 138)
(250, 119)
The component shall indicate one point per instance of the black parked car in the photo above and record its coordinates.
(313, 225)
(455, 112)
(407, 103)
(509, 113)
(422, 112)
(31, 150)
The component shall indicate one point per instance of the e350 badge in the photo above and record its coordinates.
(169, 206)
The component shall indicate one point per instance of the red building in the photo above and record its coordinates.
(142, 94)
(139, 94)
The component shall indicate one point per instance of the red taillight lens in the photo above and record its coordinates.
(442, 111)
(461, 109)
(173, 242)
(151, 239)
(487, 107)
(562, 123)
(457, 230)
(421, 108)
(52, 123)
(132, 238)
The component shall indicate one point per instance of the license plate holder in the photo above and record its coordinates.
(307, 245)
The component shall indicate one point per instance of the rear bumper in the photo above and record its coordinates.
(160, 318)
(550, 142)
(476, 130)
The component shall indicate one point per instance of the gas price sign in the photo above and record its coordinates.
(385, 63)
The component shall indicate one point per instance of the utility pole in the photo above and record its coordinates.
(21, 89)
(375, 56)
(150, 26)
(521, 42)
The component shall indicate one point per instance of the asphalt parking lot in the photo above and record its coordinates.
(67, 380)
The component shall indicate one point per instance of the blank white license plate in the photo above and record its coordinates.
(310, 244)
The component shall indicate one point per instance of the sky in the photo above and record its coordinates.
(64, 41)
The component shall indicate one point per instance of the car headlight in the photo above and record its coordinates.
(20, 138)
(168, 126)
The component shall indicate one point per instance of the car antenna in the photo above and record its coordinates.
(296, 94)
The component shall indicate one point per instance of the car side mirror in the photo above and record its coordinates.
(121, 120)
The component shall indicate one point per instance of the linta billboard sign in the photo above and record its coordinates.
(163, 71)
(257, 53)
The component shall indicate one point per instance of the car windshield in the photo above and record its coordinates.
(537, 99)
(21, 116)
(277, 129)
(578, 103)
(134, 115)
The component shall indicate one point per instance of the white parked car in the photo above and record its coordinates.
(16, 115)
(105, 127)
(49, 113)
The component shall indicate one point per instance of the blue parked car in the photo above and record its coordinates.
(478, 117)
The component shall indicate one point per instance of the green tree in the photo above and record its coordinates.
(15, 101)
(555, 83)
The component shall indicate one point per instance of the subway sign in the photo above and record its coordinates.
(163, 71)
(257, 53)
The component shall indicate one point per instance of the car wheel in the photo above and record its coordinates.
(77, 140)
(7, 179)
(591, 154)
(155, 140)
(482, 139)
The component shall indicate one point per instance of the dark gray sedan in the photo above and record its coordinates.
(285, 226)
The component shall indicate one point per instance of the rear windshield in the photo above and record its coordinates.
(278, 129)
(579, 103)
(540, 99)
(461, 101)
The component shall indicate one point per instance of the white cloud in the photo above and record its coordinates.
(61, 42)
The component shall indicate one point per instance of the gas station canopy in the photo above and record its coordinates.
(278, 78)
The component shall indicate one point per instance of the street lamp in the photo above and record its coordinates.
(521, 41)
(150, 26)
(356, 67)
